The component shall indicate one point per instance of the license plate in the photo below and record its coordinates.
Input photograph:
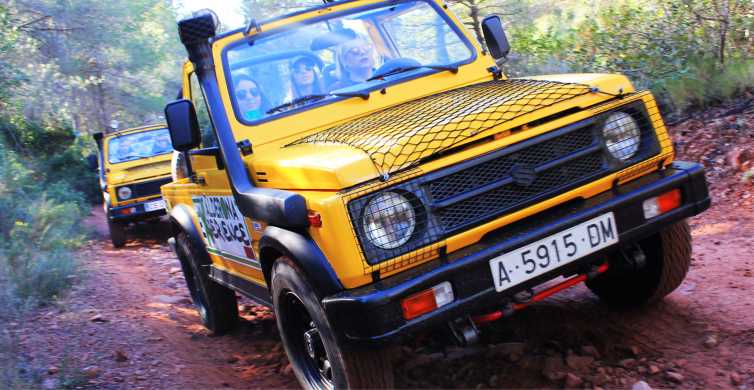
(561, 248)
(154, 205)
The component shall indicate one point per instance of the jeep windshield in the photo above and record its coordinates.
(134, 146)
(347, 54)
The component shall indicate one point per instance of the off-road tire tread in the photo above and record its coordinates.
(363, 369)
(371, 369)
(117, 233)
(221, 303)
(676, 248)
(661, 276)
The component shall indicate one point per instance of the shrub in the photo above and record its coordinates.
(39, 228)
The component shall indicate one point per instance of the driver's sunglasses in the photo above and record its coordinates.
(359, 50)
(307, 68)
(241, 93)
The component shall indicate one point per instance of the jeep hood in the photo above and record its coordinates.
(387, 141)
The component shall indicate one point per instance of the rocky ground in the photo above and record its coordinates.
(129, 322)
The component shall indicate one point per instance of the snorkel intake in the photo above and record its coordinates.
(275, 207)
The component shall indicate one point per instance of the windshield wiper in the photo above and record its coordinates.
(297, 101)
(451, 68)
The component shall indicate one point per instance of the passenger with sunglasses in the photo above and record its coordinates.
(251, 101)
(305, 78)
(355, 62)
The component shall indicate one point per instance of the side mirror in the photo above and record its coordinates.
(183, 125)
(494, 36)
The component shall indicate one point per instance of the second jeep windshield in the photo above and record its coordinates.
(313, 63)
(138, 145)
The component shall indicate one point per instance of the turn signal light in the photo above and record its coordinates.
(315, 220)
(662, 204)
(425, 301)
(127, 211)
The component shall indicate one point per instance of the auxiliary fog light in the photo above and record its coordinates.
(425, 301)
(662, 204)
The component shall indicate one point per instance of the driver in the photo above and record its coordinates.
(355, 62)
(124, 149)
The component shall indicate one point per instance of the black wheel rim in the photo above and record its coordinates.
(306, 349)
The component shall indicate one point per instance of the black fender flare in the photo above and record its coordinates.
(304, 252)
(182, 220)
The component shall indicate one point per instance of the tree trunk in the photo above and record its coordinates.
(474, 14)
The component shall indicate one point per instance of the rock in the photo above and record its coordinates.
(735, 379)
(631, 349)
(511, 351)
(627, 363)
(600, 379)
(120, 356)
(711, 341)
(457, 353)
(740, 159)
(674, 376)
(554, 368)
(573, 381)
(590, 350)
(641, 385)
(174, 270)
(97, 318)
(50, 384)
(168, 299)
(52, 370)
(654, 369)
(681, 363)
(579, 363)
(232, 359)
(91, 371)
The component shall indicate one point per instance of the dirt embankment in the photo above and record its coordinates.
(130, 324)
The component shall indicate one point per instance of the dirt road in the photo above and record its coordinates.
(129, 324)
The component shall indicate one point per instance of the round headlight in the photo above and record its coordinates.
(389, 220)
(124, 193)
(622, 135)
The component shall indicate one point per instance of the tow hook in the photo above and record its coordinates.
(464, 331)
(633, 257)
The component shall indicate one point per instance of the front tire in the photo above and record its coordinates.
(217, 305)
(318, 360)
(668, 258)
(117, 233)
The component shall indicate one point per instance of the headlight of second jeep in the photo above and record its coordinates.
(389, 220)
(622, 135)
(124, 193)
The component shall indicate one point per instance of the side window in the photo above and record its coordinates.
(202, 113)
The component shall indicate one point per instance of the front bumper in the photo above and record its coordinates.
(135, 211)
(373, 313)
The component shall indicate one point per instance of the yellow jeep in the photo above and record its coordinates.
(132, 165)
(367, 170)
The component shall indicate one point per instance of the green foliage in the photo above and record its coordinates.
(708, 83)
(40, 226)
(86, 62)
(691, 53)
